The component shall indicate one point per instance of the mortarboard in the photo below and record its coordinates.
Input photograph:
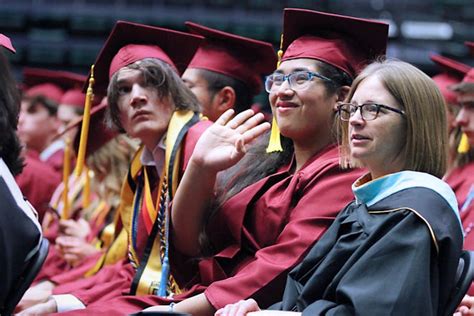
(98, 130)
(74, 98)
(469, 77)
(241, 58)
(452, 72)
(50, 83)
(129, 42)
(347, 43)
(7, 43)
(470, 45)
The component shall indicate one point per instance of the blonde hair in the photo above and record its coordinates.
(426, 142)
(110, 164)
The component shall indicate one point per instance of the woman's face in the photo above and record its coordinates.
(377, 144)
(303, 115)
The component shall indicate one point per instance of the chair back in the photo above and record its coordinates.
(464, 277)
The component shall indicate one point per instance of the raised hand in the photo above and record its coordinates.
(224, 143)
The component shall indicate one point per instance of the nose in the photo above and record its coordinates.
(138, 96)
(462, 117)
(21, 117)
(356, 118)
(284, 90)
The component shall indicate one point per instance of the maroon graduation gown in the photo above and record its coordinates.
(37, 181)
(115, 280)
(460, 180)
(260, 234)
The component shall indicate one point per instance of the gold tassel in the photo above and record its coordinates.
(463, 146)
(66, 173)
(274, 143)
(81, 155)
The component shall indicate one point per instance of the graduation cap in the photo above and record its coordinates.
(6, 42)
(452, 72)
(50, 83)
(74, 98)
(469, 77)
(129, 42)
(98, 131)
(345, 42)
(470, 45)
(241, 58)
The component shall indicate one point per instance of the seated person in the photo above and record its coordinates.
(396, 248)
(19, 227)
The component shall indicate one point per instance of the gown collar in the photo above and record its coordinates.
(369, 192)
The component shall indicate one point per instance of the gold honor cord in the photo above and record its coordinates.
(85, 125)
(86, 196)
(66, 173)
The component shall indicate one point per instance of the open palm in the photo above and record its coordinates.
(223, 144)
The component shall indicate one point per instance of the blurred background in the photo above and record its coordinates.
(68, 34)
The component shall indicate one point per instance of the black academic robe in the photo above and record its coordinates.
(397, 257)
(19, 232)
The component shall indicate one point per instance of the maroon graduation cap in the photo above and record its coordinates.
(452, 72)
(7, 43)
(344, 42)
(241, 58)
(129, 42)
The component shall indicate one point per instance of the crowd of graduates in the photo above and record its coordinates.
(161, 186)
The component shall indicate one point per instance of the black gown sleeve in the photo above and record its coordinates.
(389, 276)
(18, 237)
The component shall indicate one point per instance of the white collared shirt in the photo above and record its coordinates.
(155, 158)
(51, 149)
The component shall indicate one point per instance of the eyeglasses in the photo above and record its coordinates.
(297, 80)
(368, 111)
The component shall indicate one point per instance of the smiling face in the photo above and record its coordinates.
(377, 144)
(143, 114)
(305, 116)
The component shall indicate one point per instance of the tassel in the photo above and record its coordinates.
(66, 173)
(463, 146)
(165, 272)
(274, 144)
(81, 155)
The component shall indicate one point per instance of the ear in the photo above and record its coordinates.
(224, 99)
(342, 93)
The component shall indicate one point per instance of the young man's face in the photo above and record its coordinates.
(465, 116)
(36, 126)
(143, 114)
(66, 114)
(199, 86)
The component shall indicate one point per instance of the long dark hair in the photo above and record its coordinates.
(257, 164)
(10, 146)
